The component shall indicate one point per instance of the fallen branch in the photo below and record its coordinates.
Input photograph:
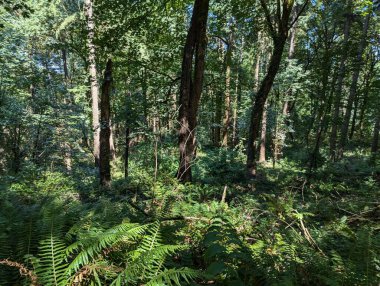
(22, 270)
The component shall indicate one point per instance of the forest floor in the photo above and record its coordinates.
(286, 227)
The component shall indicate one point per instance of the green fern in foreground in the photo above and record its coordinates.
(128, 254)
(50, 264)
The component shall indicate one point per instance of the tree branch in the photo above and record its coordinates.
(267, 17)
(298, 14)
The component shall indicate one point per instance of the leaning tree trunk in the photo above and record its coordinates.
(93, 77)
(258, 107)
(353, 88)
(105, 128)
(279, 32)
(191, 87)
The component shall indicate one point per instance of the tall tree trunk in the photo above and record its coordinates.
(227, 96)
(262, 157)
(93, 77)
(258, 107)
(353, 88)
(191, 87)
(339, 88)
(105, 129)
(375, 140)
(279, 32)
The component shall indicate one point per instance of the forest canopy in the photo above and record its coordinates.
(178, 142)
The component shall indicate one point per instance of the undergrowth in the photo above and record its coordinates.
(287, 227)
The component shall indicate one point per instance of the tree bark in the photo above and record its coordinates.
(105, 129)
(353, 88)
(191, 87)
(93, 78)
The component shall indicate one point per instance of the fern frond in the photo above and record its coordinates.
(51, 265)
(174, 277)
(91, 247)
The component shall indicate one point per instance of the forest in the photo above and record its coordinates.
(189, 142)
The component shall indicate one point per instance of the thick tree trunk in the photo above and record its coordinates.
(261, 97)
(375, 140)
(191, 87)
(227, 98)
(105, 129)
(93, 78)
(339, 88)
(353, 88)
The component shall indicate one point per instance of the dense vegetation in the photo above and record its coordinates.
(180, 142)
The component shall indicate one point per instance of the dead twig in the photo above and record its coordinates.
(22, 270)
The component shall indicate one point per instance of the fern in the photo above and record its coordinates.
(131, 253)
(91, 247)
(50, 265)
(168, 276)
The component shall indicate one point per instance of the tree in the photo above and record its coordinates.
(94, 87)
(105, 128)
(353, 87)
(278, 29)
(339, 88)
(191, 87)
